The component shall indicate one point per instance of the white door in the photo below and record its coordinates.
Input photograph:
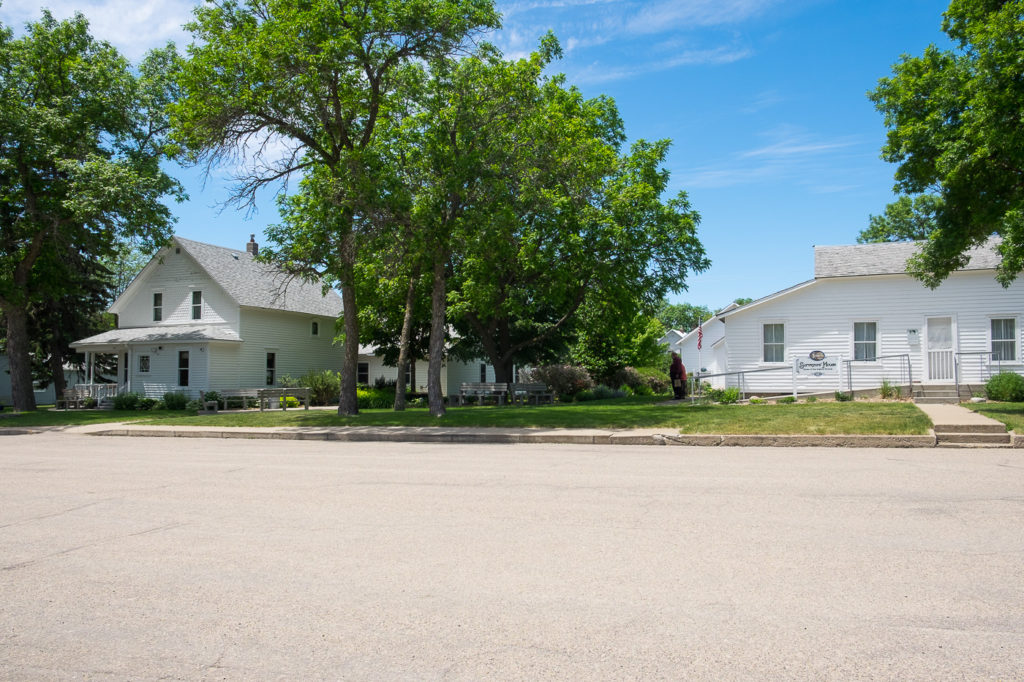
(939, 351)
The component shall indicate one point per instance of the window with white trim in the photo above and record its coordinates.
(183, 368)
(774, 342)
(158, 307)
(363, 373)
(197, 305)
(271, 368)
(865, 340)
(143, 364)
(1004, 339)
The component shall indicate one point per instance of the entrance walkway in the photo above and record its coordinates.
(957, 425)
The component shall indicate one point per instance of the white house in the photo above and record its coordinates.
(709, 358)
(863, 319)
(43, 396)
(201, 317)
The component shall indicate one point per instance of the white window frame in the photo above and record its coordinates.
(761, 342)
(1015, 339)
(156, 307)
(145, 365)
(854, 342)
(363, 369)
(197, 308)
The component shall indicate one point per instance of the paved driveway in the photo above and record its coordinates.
(145, 558)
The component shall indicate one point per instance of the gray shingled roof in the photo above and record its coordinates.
(888, 258)
(258, 285)
(164, 334)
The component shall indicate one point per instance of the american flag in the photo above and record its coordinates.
(700, 335)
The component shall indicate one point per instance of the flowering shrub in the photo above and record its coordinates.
(564, 380)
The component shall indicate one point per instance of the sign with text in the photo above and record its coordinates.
(816, 364)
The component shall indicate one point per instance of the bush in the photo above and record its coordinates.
(1005, 387)
(642, 380)
(758, 401)
(811, 399)
(212, 395)
(382, 382)
(193, 406)
(726, 396)
(127, 401)
(788, 400)
(565, 380)
(89, 403)
(175, 401)
(843, 397)
(375, 398)
(147, 403)
(323, 386)
(600, 392)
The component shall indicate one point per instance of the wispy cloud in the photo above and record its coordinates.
(794, 154)
(132, 26)
(600, 73)
(673, 14)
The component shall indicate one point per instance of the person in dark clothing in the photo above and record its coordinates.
(677, 373)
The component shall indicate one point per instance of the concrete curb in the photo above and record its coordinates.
(526, 437)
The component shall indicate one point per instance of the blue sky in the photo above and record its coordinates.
(773, 136)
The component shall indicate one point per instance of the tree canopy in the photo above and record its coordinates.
(81, 140)
(956, 129)
(905, 220)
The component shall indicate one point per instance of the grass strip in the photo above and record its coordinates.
(629, 413)
(1011, 414)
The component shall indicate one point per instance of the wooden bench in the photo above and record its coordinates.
(532, 393)
(281, 395)
(483, 390)
(72, 397)
(242, 396)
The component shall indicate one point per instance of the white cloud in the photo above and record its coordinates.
(132, 26)
(601, 73)
(673, 14)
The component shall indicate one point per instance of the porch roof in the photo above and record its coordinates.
(164, 334)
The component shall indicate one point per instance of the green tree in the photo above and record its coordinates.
(322, 78)
(954, 120)
(743, 300)
(81, 139)
(904, 220)
(682, 316)
(605, 343)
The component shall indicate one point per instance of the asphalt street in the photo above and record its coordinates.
(147, 558)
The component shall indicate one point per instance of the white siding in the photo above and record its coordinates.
(176, 276)
(288, 336)
(821, 317)
(465, 372)
(163, 370)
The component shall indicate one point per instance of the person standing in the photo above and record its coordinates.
(677, 373)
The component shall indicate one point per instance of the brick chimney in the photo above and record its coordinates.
(252, 247)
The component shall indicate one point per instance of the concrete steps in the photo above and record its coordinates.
(935, 395)
(956, 426)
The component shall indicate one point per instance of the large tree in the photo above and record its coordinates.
(956, 129)
(315, 81)
(904, 220)
(682, 316)
(81, 139)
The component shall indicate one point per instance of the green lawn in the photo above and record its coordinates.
(46, 417)
(1011, 414)
(803, 418)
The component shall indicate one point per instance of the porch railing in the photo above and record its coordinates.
(983, 362)
(97, 391)
(905, 369)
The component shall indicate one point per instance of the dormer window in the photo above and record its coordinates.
(158, 307)
(197, 305)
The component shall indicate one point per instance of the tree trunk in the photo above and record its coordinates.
(348, 403)
(435, 396)
(403, 350)
(503, 369)
(20, 365)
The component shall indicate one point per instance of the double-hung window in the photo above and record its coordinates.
(1004, 339)
(865, 340)
(363, 373)
(158, 307)
(183, 368)
(271, 368)
(774, 342)
(197, 305)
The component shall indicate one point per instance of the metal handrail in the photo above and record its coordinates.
(901, 356)
(697, 377)
(956, 364)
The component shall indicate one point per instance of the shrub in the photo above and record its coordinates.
(843, 397)
(89, 403)
(811, 399)
(147, 403)
(583, 396)
(565, 380)
(726, 396)
(757, 401)
(600, 392)
(212, 395)
(193, 406)
(175, 401)
(383, 382)
(127, 401)
(324, 386)
(375, 398)
(1005, 387)
(788, 400)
